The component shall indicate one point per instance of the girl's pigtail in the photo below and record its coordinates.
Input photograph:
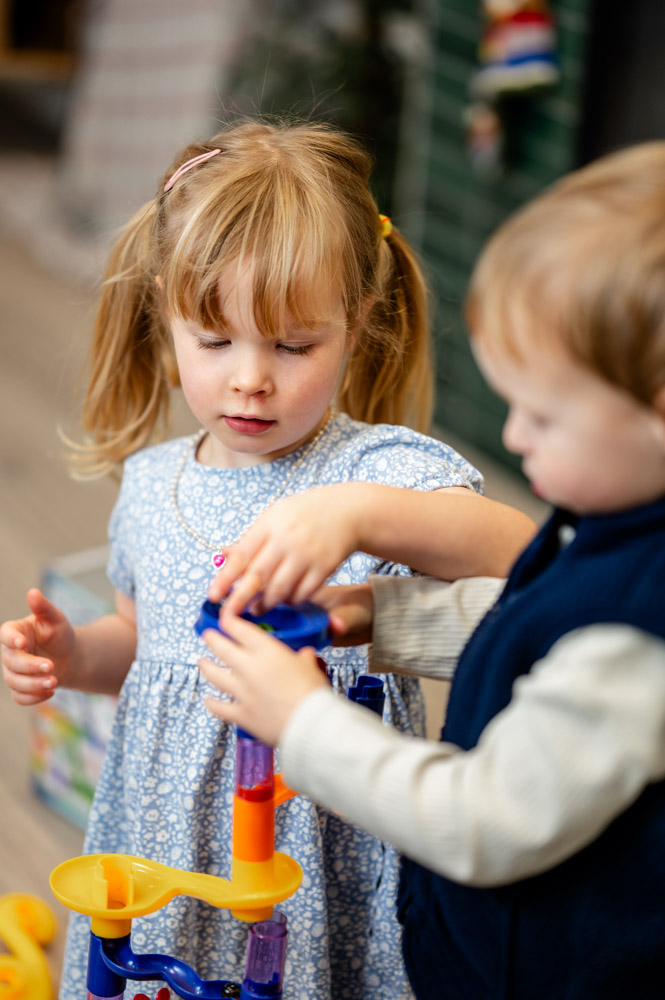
(132, 369)
(390, 373)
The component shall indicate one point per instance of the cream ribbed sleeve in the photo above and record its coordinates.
(582, 736)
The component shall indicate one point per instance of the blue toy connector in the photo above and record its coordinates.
(297, 625)
(368, 692)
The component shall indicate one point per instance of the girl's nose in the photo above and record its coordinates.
(251, 375)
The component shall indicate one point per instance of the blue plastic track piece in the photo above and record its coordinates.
(368, 692)
(297, 625)
(118, 957)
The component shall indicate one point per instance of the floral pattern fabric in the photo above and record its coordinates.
(166, 788)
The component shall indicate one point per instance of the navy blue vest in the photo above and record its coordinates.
(593, 926)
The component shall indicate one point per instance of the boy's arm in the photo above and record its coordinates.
(421, 625)
(417, 625)
(580, 740)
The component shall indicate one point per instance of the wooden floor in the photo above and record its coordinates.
(44, 514)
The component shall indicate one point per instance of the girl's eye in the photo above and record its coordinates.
(210, 345)
(295, 348)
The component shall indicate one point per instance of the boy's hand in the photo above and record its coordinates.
(37, 651)
(350, 612)
(290, 550)
(265, 679)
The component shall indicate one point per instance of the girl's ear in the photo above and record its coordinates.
(360, 322)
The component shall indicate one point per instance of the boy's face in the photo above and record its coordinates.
(587, 445)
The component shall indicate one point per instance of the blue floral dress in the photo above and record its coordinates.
(167, 784)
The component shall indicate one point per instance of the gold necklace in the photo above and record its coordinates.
(216, 549)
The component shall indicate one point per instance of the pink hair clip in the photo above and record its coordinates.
(188, 166)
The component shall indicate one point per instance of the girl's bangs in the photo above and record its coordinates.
(297, 261)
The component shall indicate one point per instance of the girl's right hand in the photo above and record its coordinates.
(37, 651)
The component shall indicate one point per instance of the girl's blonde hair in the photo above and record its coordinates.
(585, 263)
(295, 199)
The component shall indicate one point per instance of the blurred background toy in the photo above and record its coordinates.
(27, 924)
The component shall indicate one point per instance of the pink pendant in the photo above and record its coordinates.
(218, 560)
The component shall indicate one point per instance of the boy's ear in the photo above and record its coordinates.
(659, 401)
(658, 405)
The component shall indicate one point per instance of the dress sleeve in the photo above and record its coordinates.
(399, 456)
(577, 744)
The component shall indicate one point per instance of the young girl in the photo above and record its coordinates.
(535, 830)
(262, 278)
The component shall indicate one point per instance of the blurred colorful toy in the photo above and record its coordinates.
(27, 924)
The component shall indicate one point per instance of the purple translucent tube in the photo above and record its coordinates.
(254, 768)
(94, 996)
(266, 951)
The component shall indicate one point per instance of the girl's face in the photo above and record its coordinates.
(587, 445)
(259, 398)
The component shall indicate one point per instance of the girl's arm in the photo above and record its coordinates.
(43, 651)
(579, 741)
(293, 547)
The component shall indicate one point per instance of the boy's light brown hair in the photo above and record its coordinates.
(585, 263)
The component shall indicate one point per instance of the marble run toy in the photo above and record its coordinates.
(112, 889)
(26, 924)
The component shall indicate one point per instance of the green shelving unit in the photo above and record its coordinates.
(448, 210)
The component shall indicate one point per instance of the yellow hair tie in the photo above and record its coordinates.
(386, 226)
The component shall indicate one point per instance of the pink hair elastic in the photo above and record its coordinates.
(188, 166)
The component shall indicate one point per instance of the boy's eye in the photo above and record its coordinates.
(295, 348)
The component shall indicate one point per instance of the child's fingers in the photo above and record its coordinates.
(12, 635)
(226, 711)
(238, 559)
(308, 585)
(245, 636)
(33, 683)
(222, 647)
(285, 584)
(235, 562)
(246, 590)
(19, 662)
(219, 677)
(41, 607)
(27, 700)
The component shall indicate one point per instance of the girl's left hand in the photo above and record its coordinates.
(265, 679)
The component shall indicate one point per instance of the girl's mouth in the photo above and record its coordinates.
(248, 425)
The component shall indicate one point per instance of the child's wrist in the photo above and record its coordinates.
(361, 508)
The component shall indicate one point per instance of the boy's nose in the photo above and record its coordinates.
(513, 434)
